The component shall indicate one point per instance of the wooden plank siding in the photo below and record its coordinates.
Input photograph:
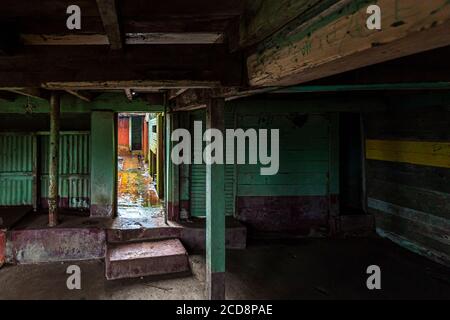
(408, 178)
(197, 174)
(301, 198)
(297, 199)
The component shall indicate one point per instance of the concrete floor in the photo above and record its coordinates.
(300, 269)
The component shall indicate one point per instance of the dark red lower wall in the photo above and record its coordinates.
(2, 247)
(300, 215)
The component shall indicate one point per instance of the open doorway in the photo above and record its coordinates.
(351, 165)
(139, 154)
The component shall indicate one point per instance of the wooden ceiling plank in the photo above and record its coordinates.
(130, 38)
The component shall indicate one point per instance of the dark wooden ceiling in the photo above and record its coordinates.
(178, 43)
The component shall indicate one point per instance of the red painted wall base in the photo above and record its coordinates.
(2, 247)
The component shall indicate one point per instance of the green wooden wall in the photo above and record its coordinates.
(304, 155)
(197, 175)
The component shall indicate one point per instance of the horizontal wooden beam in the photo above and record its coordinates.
(85, 96)
(139, 85)
(31, 92)
(262, 18)
(173, 93)
(366, 87)
(130, 38)
(174, 38)
(337, 40)
(97, 67)
(108, 13)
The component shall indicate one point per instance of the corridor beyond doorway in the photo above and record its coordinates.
(136, 186)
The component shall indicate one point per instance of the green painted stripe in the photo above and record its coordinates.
(284, 179)
(282, 190)
(366, 87)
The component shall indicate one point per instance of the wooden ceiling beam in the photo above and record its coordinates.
(108, 13)
(337, 40)
(130, 38)
(85, 96)
(31, 92)
(97, 67)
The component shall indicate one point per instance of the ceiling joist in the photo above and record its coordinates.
(108, 13)
(31, 92)
(85, 96)
(130, 38)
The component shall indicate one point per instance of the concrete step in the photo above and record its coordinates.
(155, 258)
(141, 234)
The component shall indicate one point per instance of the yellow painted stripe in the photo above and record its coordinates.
(434, 154)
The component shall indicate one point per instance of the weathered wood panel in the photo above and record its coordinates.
(408, 176)
(298, 198)
(337, 40)
(264, 17)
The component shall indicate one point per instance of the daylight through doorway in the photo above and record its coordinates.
(137, 194)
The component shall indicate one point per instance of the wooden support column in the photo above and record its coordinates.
(333, 188)
(173, 184)
(54, 159)
(215, 211)
(160, 157)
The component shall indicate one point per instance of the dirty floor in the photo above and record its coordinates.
(307, 269)
(137, 196)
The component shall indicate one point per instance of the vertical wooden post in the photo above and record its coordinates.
(173, 195)
(54, 159)
(333, 179)
(168, 168)
(160, 157)
(215, 211)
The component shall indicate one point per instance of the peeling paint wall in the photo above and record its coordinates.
(51, 245)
